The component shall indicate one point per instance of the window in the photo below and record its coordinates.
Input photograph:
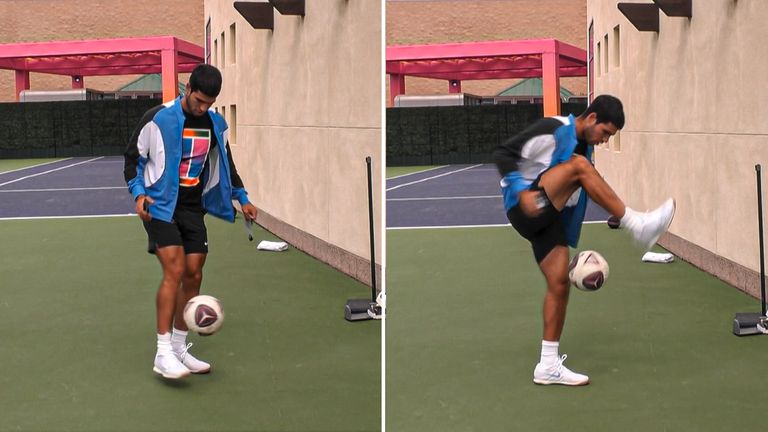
(590, 63)
(616, 51)
(215, 52)
(233, 124)
(598, 53)
(232, 39)
(223, 50)
(208, 42)
(605, 53)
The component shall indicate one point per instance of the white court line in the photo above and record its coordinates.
(429, 178)
(64, 189)
(50, 171)
(449, 226)
(442, 198)
(468, 226)
(35, 166)
(417, 172)
(67, 217)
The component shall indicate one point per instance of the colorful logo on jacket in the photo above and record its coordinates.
(195, 144)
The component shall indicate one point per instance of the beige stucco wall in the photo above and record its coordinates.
(411, 22)
(308, 97)
(695, 103)
(48, 20)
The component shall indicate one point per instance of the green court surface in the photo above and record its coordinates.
(403, 170)
(78, 311)
(464, 334)
(13, 164)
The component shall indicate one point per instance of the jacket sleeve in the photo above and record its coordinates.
(238, 191)
(136, 155)
(511, 156)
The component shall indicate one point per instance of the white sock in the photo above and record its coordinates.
(549, 352)
(164, 343)
(178, 339)
(629, 218)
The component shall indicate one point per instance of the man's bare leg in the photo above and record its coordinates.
(172, 261)
(190, 287)
(561, 181)
(550, 369)
(555, 269)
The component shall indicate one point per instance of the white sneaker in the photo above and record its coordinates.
(558, 374)
(169, 366)
(646, 228)
(194, 365)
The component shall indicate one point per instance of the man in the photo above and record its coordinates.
(178, 167)
(547, 175)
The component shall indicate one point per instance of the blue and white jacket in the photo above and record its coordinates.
(153, 157)
(544, 144)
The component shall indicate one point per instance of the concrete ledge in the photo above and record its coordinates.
(736, 275)
(346, 262)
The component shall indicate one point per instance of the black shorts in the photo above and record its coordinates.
(187, 229)
(544, 231)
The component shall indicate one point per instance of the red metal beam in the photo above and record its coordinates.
(125, 56)
(484, 60)
(22, 82)
(396, 87)
(52, 63)
(551, 83)
(470, 50)
(92, 47)
(467, 65)
(491, 75)
(98, 57)
(117, 70)
(170, 74)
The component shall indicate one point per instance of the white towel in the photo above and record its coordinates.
(272, 246)
(658, 257)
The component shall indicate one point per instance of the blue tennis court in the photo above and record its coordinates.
(453, 196)
(69, 187)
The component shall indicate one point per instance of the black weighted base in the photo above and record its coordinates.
(745, 324)
(357, 309)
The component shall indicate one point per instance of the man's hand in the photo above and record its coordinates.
(142, 207)
(249, 212)
(531, 202)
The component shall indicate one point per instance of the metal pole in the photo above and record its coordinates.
(370, 223)
(760, 227)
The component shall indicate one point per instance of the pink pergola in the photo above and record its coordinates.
(549, 59)
(126, 56)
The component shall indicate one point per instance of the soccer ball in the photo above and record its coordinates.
(204, 315)
(588, 270)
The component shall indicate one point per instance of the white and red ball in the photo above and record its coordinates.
(588, 270)
(204, 314)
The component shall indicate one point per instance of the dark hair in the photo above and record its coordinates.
(608, 109)
(207, 79)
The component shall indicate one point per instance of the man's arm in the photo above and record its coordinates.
(238, 190)
(135, 157)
